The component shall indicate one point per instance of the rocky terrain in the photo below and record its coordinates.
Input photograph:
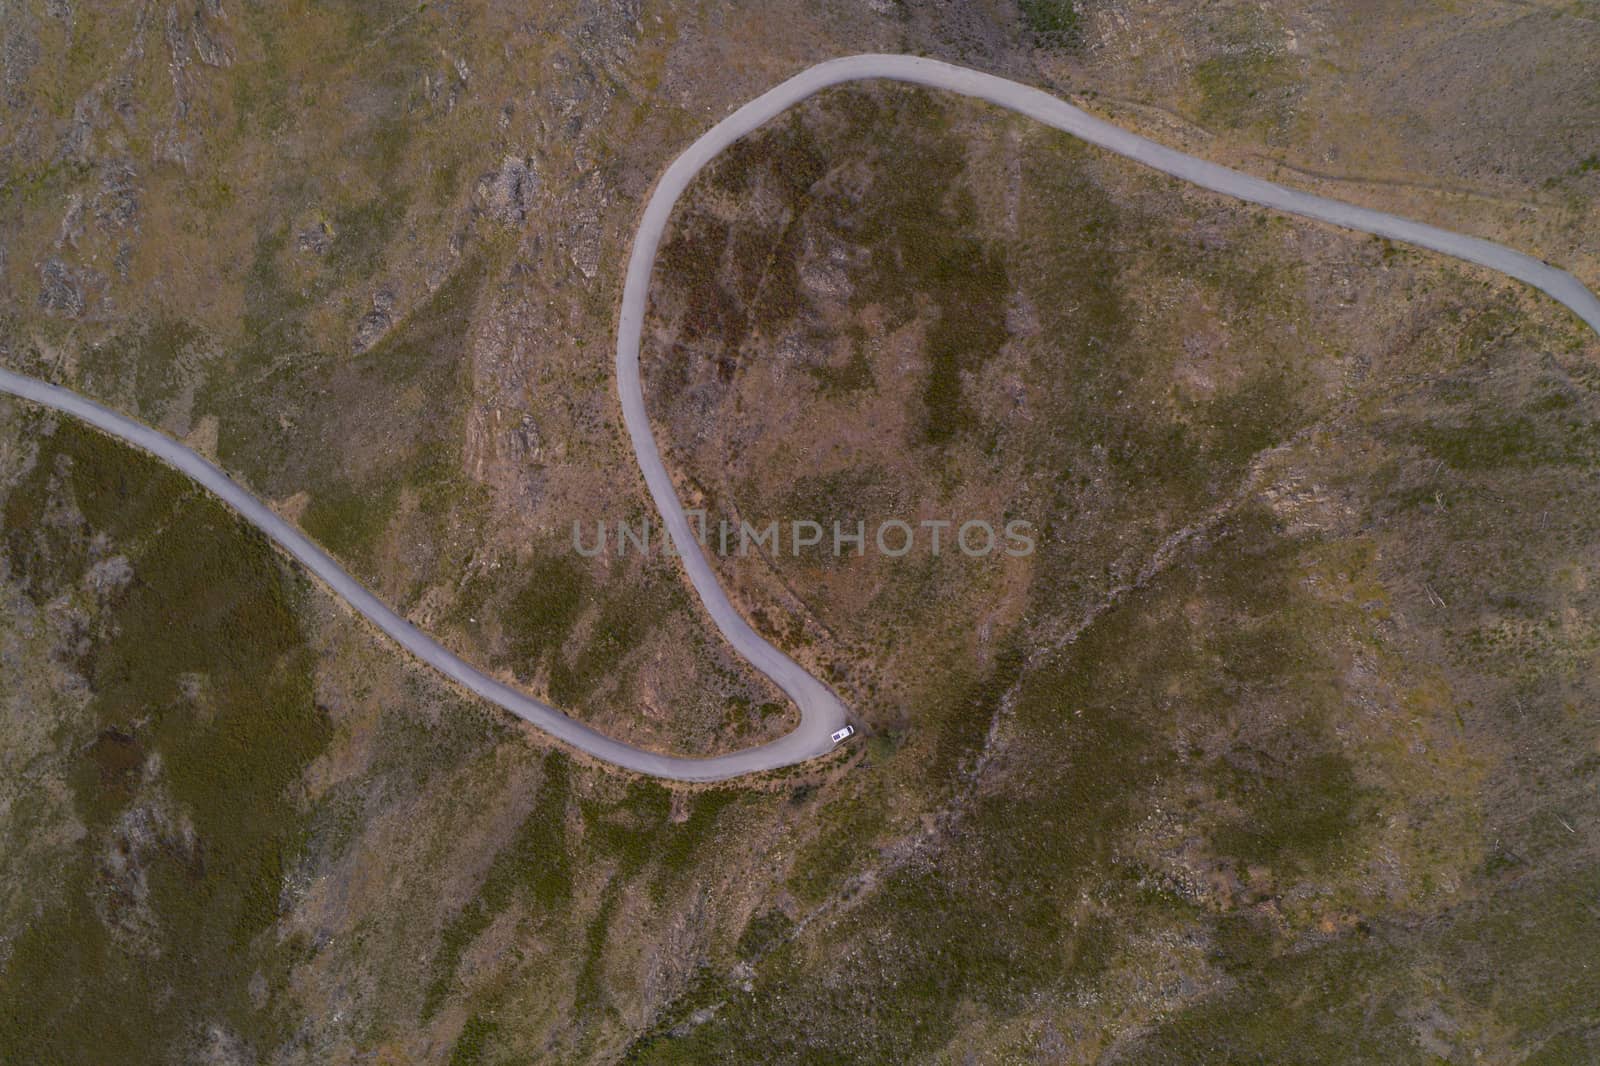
(1280, 746)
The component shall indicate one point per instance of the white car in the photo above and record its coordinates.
(844, 734)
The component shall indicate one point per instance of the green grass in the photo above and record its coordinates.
(1486, 442)
(685, 842)
(589, 990)
(1249, 81)
(472, 1046)
(919, 222)
(993, 916)
(855, 494)
(657, 1045)
(1300, 809)
(209, 599)
(538, 618)
(845, 831)
(1515, 959)
(921, 225)
(143, 363)
(625, 619)
(628, 831)
(533, 869)
(383, 425)
(764, 932)
(854, 376)
(1233, 87)
(1053, 23)
(347, 520)
(361, 233)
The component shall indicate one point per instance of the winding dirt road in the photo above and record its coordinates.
(820, 709)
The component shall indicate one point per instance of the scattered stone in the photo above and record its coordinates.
(509, 193)
(315, 239)
(143, 833)
(826, 279)
(223, 1047)
(109, 575)
(60, 289)
(212, 52)
(583, 241)
(116, 205)
(177, 40)
(71, 222)
(175, 147)
(375, 323)
(18, 57)
(123, 99)
(1022, 318)
(528, 441)
(77, 145)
